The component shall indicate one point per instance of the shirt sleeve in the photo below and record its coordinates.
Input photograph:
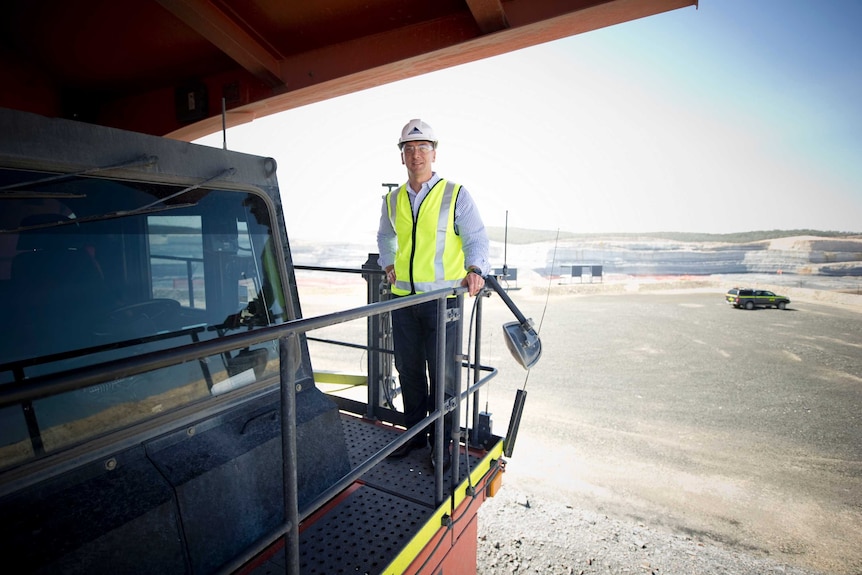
(386, 238)
(474, 238)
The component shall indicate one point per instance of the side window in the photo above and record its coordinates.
(95, 281)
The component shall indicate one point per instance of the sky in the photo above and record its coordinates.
(739, 115)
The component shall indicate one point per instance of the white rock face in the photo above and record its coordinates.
(805, 255)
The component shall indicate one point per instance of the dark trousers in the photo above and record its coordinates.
(414, 331)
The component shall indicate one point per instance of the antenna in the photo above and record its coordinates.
(223, 124)
(506, 247)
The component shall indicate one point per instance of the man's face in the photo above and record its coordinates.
(418, 156)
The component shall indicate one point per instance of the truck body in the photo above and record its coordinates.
(159, 410)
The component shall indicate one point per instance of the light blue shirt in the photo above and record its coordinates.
(468, 225)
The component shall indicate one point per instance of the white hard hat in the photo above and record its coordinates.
(417, 130)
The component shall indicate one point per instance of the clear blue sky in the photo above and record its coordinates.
(739, 115)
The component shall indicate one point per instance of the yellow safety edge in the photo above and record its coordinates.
(434, 524)
(347, 379)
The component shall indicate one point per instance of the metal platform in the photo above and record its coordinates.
(372, 522)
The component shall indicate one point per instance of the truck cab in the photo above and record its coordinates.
(159, 410)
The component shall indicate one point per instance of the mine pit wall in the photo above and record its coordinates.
(832, 257)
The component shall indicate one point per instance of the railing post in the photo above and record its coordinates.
(190, 278)
(454, 363)
(477, 362)
(288, 364)
(440, 399)
(373, 334)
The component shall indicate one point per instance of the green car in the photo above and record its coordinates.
(751, 298)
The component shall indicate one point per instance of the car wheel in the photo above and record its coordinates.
(782, 305)
(749, 305)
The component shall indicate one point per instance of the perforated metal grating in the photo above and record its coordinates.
(362, 535)
(366, 530)
(411, 477)
(364, 438)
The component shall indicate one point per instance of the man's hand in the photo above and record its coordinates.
(390, 274)
(473, 282)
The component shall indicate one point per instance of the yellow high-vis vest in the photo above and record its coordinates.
(429, 255)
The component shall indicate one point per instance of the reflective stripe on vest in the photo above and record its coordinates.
(426, 265)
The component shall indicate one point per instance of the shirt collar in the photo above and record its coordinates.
(426, 186)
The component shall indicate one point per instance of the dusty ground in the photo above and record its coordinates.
(611, 506)
(523, 531)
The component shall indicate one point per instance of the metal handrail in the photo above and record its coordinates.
(41, 386)
(78, 378)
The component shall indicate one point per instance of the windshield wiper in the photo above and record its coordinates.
(100, 217)
(223, 173)
(30, 195)
(147, 209)
(143, 161)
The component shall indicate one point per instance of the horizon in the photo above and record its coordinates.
(549, 235)
(774, 233)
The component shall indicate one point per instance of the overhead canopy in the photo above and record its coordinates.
(167, 67)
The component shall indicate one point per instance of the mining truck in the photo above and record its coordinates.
(160, 411)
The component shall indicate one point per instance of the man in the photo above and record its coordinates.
(430, 237)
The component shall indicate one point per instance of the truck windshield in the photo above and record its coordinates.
(78, 288)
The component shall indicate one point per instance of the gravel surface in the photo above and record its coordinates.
(577, 520)
(521, 533)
